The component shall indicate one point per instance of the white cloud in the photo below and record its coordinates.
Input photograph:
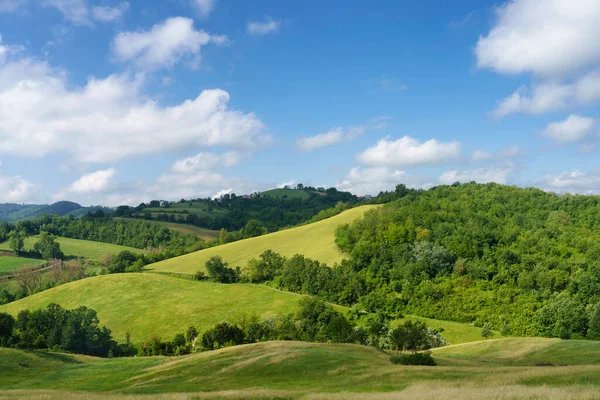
(109, 14)
(548, 97)
(502, 154)
(291, 183)
(500, 175)
(10, 5)
(573, 129)
(410, 152)
(262, 28)
(572, 182)
(109, 119)
(206, 161)
(363, 181)
(15, 189)
(390, 84)
(164, 44)
(549, 38)
(75, 11)
(339, 134)
(98, 181)
(204, 7)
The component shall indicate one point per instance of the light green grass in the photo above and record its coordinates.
(284, 370)
(202, 233)
(286, 193)
(8, 263)
(454, 332)
(75, 248)
(316, 241)
(154, 304)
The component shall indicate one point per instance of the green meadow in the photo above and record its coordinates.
(453, 332)
(202, 233)
(316, 241)
(9, 263)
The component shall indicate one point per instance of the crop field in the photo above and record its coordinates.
(75, 248)
(154, 304)
(300, 370)
(8, 263)
(316, 241)
(202, 233)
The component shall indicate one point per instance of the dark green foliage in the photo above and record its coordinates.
(125, 261)
(563, 317)
(223, 334)
(47, 247)
(266, 268)
(219, 271)
(253, 228)
(7, 324)
(423, 358)
(594, 329)
(16, 240)
(486, 331)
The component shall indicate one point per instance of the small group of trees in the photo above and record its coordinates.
(45, 247)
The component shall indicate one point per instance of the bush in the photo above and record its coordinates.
(424, 358)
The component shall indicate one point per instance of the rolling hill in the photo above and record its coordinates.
(316, 241)
(154, 304)
(202, 233)
(292, 370)
(75, 248)
(11, 212)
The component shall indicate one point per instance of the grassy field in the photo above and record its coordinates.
(149, 304)
(286, 193)
(316, 241)
(292, 370)
(179, 210)
(202, 233)
(8, 263)
(76, 248)
(454, 332)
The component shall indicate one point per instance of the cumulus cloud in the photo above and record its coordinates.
(204, 7)
(363, 181)
(206, 161)
(10, 5)
(572, 182)
(573, 129)
(502, 154)
(410, 152)
(109, 14)
(75, 11)
(269, 25)
(549, 40)
(109, 119)
(164, 44)
(15, 189)
(98, 181)
(339, 134)
(499, 174)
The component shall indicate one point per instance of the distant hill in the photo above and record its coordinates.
(11, 212)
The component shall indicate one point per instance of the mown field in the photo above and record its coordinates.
(301, 370)
(75, 248)
(202, 233)
(316, 241)
(154, 304)
(8, 263)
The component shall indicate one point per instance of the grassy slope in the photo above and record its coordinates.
(148, 304)
(293, 370)
(202, 233)
(289, 193)
(454, 332)
(80, 248)
(316, 241)
(8, 263)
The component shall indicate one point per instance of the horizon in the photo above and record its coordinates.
(110, 102)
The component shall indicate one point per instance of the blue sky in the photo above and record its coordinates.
(117, 102)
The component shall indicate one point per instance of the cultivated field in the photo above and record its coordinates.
(316, 241)
(154, 304)
(299, 370)
(202, 233)
(75, 248)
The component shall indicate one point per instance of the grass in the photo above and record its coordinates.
(454, 332)
(8, 263)
(155, 304)
(179, 209)
(316, 241)
(287, 193)
(75, 248)
(287, 370)
(202, 233)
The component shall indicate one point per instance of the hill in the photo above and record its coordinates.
(76, 248)
(316, 241)
(154, 304)
(10, 212)
(202, 233)
(288, 370)
(287, 194)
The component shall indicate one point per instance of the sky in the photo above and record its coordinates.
(119, 102)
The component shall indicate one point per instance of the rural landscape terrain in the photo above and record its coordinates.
(219, 199)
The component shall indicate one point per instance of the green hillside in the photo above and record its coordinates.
(202, 233)
(453, 332)
(8, 263)
(76, 248)
(153, 304)
(11, 212)
(316, 241)
(288, 370)
(286, 193)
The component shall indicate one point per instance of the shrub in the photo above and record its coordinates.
(424, 358)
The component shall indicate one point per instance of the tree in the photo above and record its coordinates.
(219, 271)
(47, 247)
(397, 338)
(594, 329)
(16, 240)
(486, 331)
(266, 268)
(416, 335)
(7, 324)
(254, 228)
